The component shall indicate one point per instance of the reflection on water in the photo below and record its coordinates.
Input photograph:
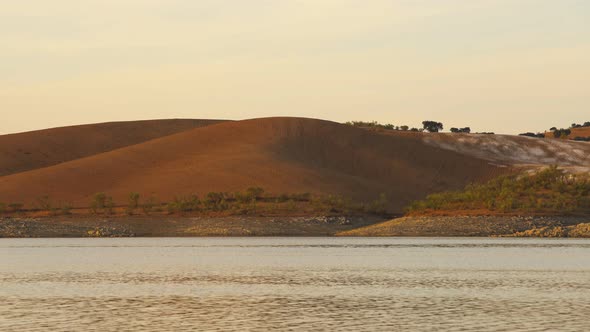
(294, 284)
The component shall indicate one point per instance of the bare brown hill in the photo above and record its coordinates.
(36, 149)
(282, 155)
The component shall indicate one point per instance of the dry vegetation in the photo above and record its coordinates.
(550, 191)
(252, 201)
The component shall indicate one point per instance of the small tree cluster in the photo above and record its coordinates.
(529, 134)
(561, 133)
(465, 130)
(375, 124)
(432, 126)
(585, 124)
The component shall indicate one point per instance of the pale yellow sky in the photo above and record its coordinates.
(495, 65)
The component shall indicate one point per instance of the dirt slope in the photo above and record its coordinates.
(278, 154)
(521, 151)
(31, 150)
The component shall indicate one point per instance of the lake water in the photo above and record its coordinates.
(294, 284)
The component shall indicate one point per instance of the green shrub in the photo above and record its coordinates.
(149, 205)
(62, 209)
(109, 205)
(98, 202)
(550, 190)
(133, 200)
(2, 207)
(44, 203)
(303, 197)
(379, 205)
(251, 194)
(184, 204)
(102, 202)
(16, 207)
(218, 201)
(66, 208)
(255, 192)
(282, 198)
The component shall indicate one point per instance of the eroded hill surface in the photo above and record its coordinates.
(519, 151)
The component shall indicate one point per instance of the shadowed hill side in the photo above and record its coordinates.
(36, 149)
(282, 155)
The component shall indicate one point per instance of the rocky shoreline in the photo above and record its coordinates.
(485, 226)
(180, 226)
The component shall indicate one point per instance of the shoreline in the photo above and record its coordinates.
(478, 226)
(264, 226)
(180, 226)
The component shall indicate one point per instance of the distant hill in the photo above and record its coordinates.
(36, 149)
(281, 155)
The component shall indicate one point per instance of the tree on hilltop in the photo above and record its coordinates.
(432, 126)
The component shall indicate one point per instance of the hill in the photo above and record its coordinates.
(282, 155)
(580, 132)
(42, 148)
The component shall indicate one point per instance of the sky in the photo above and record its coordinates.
(495, 65)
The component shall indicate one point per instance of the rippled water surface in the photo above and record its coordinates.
(294, 284)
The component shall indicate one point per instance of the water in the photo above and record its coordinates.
(294, 284)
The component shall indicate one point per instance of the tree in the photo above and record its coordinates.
(16, 207)
(465, 130)
(255, 192)
(432, 126)
(109, 205)
(529, 134)
(404, 128)
(133, 200)
(44, 203)
(102, 201)
(561, 133)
